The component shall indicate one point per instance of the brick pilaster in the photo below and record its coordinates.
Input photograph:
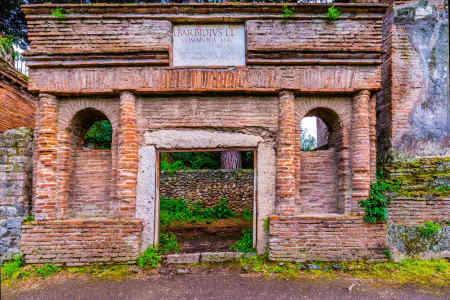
(127, 166)
(373, 136)
(287, 162)
(360, 149)
(45, 204)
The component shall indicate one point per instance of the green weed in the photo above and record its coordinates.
(47, 270)
(287, 12)
(168, 243)
(58, 12)
(266, 225)
(333, 13)
(245, 244)
(28, 219)
(10, 267)
(149, 258)
(247, 215)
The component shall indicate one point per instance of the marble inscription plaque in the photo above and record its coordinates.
(209, 45)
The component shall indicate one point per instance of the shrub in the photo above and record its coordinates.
(245, 244)
(429, 229)
(47, 270)
(168, 243)
(12, 266)
(149, 258)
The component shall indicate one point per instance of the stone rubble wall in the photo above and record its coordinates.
(424, 197)
(209, 186)
(15, 187)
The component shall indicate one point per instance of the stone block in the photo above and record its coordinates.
(219, 256)
(186, 258)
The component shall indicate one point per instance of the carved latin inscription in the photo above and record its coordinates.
(209, 45)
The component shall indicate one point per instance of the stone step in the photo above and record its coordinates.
(191, 258)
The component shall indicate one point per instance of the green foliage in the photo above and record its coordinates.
(375, 205)
(333, 13)
(28, 219)
(172, 167)
(47, 270)
(245, 244)
(287, 13)
(198, 160)
(10, 267)
(149, 258)
(222, 211)
(6, 45)
(99, 135)
(58, 12)
(168, 243)
(247, 215)
(179, 210)
(419, 239)
(388, 254)
(429, 229)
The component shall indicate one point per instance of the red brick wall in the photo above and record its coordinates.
(318, 189)
(414, 212)
(91, 184)
(17, 105)
(329, 238)
(77, 242)
(233, 112)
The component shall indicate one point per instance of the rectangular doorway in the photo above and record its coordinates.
(207, 200)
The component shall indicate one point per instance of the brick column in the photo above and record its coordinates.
(45, 204)
(286, 154)
(373, 137)
(360, 149)
(127, 166)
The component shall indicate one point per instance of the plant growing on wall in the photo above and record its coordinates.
(333, 13)
(421, 238)
(287, 12)
(375, 205)
(58, 12)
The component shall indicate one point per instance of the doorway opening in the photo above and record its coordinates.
(207, 200)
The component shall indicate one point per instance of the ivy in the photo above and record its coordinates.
(375, 205)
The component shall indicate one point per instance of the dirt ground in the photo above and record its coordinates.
(212, 284)
(215, 236)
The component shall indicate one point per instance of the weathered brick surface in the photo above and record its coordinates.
(91, 184)
(318, 191)
(79, 242)
(346, 35)
(17, 105)
(328, 238)
(209, 186)
(100, 35)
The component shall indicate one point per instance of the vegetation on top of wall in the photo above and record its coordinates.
(58, 12)
(333, 13)
(421, 177)
(287, 12)
(168, 243)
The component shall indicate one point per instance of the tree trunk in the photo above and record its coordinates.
(230, 160)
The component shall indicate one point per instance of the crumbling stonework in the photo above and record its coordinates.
(16, 148)
(210, 186)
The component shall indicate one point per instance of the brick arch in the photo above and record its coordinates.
(70, 154)
(325, 172)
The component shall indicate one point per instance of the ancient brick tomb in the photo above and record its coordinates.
(108, 199)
